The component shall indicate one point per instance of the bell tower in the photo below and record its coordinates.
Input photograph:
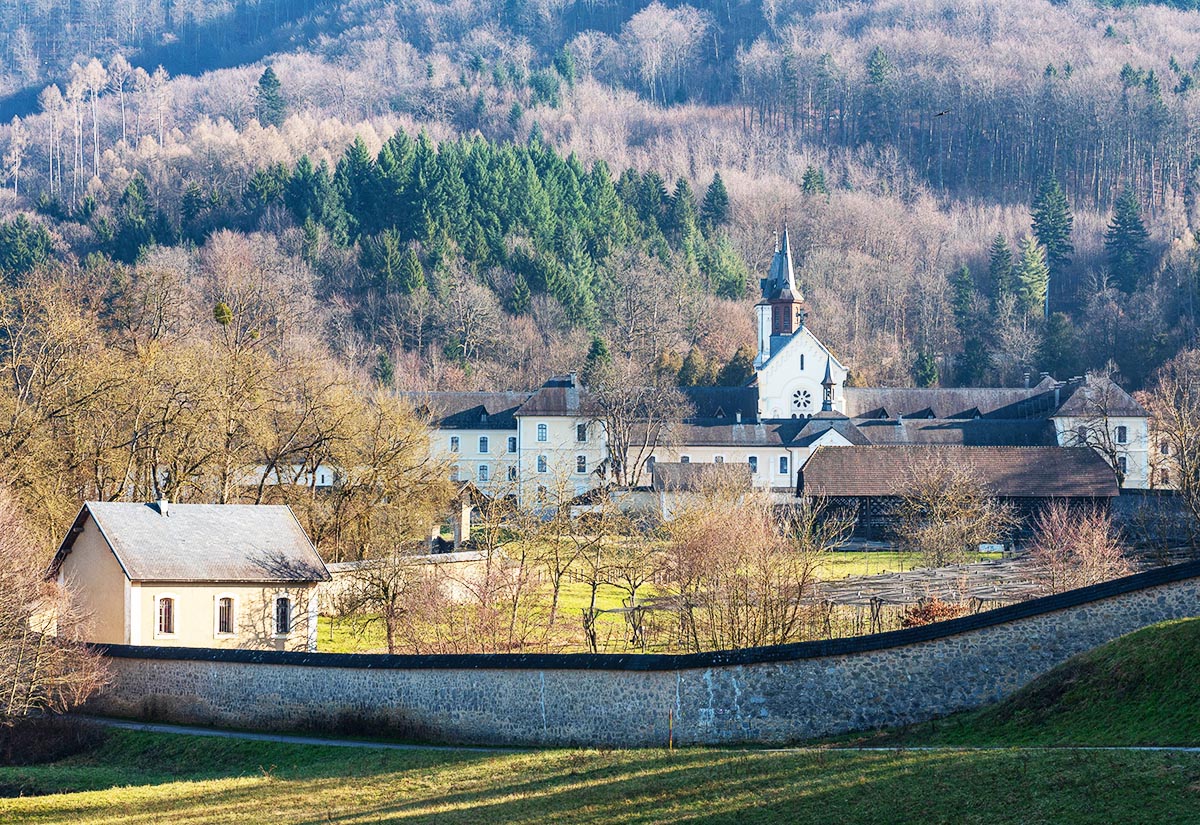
(781, 311)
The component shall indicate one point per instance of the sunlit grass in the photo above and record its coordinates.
(148, 778)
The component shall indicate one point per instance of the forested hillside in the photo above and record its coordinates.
(484, 193)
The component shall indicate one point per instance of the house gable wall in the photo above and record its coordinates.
(99, 585)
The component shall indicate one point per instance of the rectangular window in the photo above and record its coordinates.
(225, 615)
(512, 473)
(454, 444)
(1165, 448)
(1122, 464)
(783, 465)
(581, 463)
(483, 444)
(512, 443)
(541, 464)
(283, 616)
(166, 616)
(685, 459)
(581, 432)
(454, 474)
(753, 462)
(1122, 435)
(801, 362)
(483, 473)
(543, 433)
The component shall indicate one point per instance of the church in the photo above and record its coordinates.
(797, 405)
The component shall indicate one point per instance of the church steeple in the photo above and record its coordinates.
(782, 310)
(827, 384)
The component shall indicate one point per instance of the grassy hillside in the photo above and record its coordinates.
(142, 778)
(1140, 689)
(1136, 690)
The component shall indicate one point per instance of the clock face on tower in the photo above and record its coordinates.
(802, 401)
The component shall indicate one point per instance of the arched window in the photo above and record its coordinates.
(225, 617)
(483, 443)
(283, 616)
(543, 433)
(753, 462)
(166, 616)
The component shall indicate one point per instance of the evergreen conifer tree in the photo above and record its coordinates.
(1052, 225)
(1033, 276)
(714, 211)
(694, 370)
(1000, 269)
(412, 275)
(964, 298)
(1059, 350)
(597, 358)
(813, 182)
(925, 370)
(739, 371)
(1125, 242)
(682, 216)
(269, 105)
(974, 362)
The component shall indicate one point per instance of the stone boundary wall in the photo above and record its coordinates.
(764, 695)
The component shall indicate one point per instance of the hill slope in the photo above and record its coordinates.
(1140, 689)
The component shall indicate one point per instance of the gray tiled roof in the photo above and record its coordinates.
(959, 402)
(469, 410)
(1011, 472)
(677, 477)
(1098, 396)
(203, 542)
(982, 432)
(561, 395)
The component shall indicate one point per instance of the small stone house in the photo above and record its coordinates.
(193, 575)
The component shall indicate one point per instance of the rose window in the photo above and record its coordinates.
(801, 400)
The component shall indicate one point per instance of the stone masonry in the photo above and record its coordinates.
(769, 696)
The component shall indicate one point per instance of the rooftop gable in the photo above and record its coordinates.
(202, 542)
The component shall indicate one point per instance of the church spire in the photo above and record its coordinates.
(827, 384)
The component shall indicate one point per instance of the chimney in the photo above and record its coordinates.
(1026, 379)
(163, 506)
(738, 416)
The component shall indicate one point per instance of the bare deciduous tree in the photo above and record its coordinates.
(946, 513)
(1075, 548)
(742, 570)
(44, 667)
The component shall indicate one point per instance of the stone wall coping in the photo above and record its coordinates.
(670, 661)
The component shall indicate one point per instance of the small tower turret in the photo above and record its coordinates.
(827, 384)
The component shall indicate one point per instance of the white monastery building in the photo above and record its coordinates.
(797, 402)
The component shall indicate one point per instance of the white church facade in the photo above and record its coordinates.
(526, 442)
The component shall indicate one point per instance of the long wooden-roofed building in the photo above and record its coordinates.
(873, 480)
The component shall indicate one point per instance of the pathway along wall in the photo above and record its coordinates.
(767, 695)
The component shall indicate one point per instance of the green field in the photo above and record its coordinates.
(357, 635)
(151, 778)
